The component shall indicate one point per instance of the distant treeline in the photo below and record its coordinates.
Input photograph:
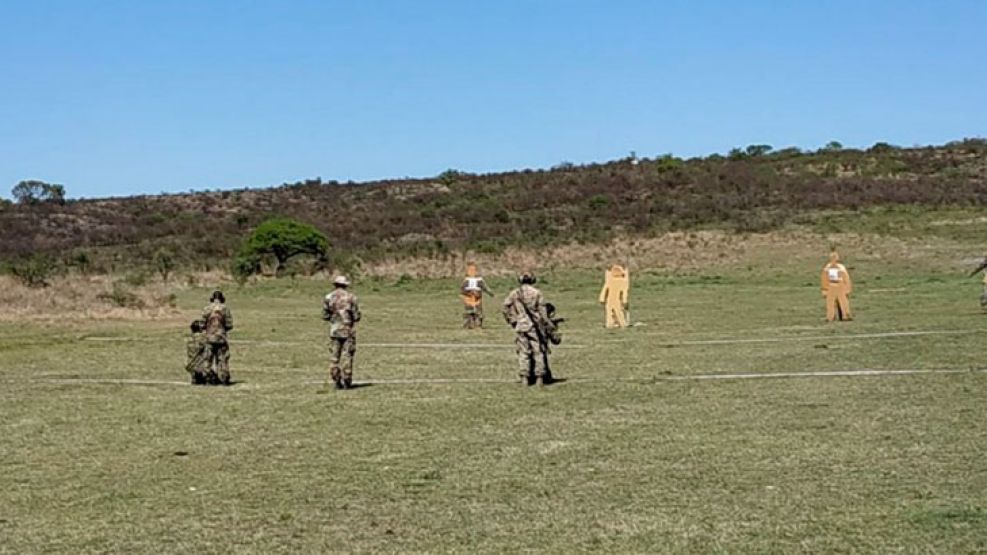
(749, 190)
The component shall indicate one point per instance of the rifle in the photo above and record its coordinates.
(535, 322)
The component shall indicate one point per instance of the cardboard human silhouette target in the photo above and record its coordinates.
(614, 296)
(836, 288)
(471, 291)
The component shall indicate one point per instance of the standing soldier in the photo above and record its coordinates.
(524, 309)
(983, 296)
(218, 323)
(341, 309)
(472, 290)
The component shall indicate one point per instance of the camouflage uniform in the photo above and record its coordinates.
(472, 290)
(983, 296)
(342, 310)
(196, 350)
(520, 307)
(218, 322)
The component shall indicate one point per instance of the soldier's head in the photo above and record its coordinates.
(527, 278)
(834, 257)
(196, 326)
(341, 282)
(217, 296)
(471, 269)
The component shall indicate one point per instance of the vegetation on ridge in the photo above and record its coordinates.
(749, 190)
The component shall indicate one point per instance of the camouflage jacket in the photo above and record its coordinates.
(195, 348)
(342, 310)
(521, 302)
(219, 321)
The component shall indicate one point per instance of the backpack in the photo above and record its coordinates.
(215, 324)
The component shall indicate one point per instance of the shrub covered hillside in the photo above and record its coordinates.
(752, 189)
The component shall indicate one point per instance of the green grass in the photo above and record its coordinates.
(617, 458)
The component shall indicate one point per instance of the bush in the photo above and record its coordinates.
(164, 262)
(121, 297)
(244, 266)
(33, 271)
(598, 202)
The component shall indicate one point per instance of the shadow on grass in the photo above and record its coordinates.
(326, 389)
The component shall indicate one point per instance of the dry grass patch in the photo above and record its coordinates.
(86, 297)
(675, 252)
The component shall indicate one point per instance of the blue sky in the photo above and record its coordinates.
(127, 97)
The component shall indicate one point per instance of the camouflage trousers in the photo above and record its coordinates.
(218, 361)
(532, 356)
(341, 353)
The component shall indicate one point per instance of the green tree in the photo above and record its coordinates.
(833, 146)
(450, 176)
(33, 192)
(758, 150)
(281, 238)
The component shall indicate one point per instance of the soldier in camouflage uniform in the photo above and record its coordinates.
(524, 310)
(218, 323)
(196, 350)
(983, 296)
(342, 310)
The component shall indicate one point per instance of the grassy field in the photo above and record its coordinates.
(105, 449)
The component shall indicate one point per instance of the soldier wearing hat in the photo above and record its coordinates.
(341, 309)
(218, 321)
(524, 309)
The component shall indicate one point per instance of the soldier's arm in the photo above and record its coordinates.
(849, 284)
(228, 318)
(507, 308)
(979, 268)
(824, 281)
(355, 310)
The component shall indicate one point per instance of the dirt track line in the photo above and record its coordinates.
(505, 345)
(878, 335)
(865, 372)
(697, 377)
